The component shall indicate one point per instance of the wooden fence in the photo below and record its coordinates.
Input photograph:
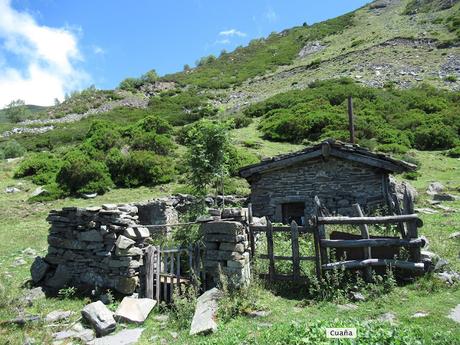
(167, 269)
(408, 225)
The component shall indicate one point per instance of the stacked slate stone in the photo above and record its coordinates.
(227, 250)
(96, 246)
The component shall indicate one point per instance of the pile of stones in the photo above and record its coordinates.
(227, 249)
(95, 246)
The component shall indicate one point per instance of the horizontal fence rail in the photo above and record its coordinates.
(375, 262)
(370, 220)
(374, 242)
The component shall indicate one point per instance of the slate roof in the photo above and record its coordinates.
(330, 148)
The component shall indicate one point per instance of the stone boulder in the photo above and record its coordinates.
(204, 319)
(134, 310)
(100, 318)
(125, 337)
(435, 188)
(60, 279)
(445, 197)
(39, 269)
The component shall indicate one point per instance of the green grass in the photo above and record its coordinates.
(23, 225)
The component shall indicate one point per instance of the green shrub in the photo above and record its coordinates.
(130, 84)
(138, 168)
(103, 135)
(52, 192)
(2, 154)
(241, 121)
(12, 149)
(451, 78)
(81, 174)
(238, 158)
(42, 167)
(435, 136)
(454, 152)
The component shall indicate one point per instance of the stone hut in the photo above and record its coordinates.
(283, 187)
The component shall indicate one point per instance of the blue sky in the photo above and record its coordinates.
(49, 47)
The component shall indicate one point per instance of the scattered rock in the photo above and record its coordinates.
(125, 337)
(347, 307)
(19, 262)
(449, 277)
(39, 191)
(445, 197)
(311, 48)
(29, 341)
(204, 319)
(259, 313)
(435, 188)
(99, 317)
(357, 296)
(38, 269)
(134, 310)
(29, 252)
(33, 294)
(420, 314)
(455, 235)
(12, 190)
(174, 335)
(379, 4)
(389, 317)
(58, 315)
(89, 195)
(162, 318)
(440, 264)
(76, 332)
(455, 314)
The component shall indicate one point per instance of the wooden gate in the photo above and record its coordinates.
(169, 269)
(294, 230)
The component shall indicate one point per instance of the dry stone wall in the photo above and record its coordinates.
(94, 246)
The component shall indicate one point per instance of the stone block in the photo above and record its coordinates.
(211, 245)
(124, 242)
(221, 227)
(134, 310)
(204, 319)
(38, 269)
(133, 251)
(126, 285)
(238, 247)
(223, 255)
(100, 317)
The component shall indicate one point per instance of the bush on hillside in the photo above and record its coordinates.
(238, 158)
(42, 167)
(454, 153)
(241, 121)
(12, 149)
(81, 174)
(103, 135)
(139, 168)
(435, 136)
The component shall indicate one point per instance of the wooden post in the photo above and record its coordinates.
(351, 120)
(158, 272)
(412, 231)
(295, 250)
(171, 272)
(250, 213)
(366, 250)
(321, 232)
(149, 272)
(317, 247)
(271, 270)
(178, 272)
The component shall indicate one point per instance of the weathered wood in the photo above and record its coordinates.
(149, 272)
(295, 250)
(412, 231)
(271, 269)
(178, 272)
(400, 226)
(171, 285)
(250, 218)
(261, 228)
(158, 275)
(366, 250)
(286, 258)
(316, 242)
(416, 266)
(371, 220)
(351, 123)
(373, 242)
(165, 270)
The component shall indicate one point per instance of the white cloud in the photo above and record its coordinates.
(232, 32)
(271, 15)
(223, 41)
(48, 57)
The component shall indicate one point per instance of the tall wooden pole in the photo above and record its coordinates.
(350, 120)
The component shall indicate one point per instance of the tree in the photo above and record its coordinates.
(208, 146)
(16, 111)
(150, 77)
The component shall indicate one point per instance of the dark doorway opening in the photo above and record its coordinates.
(293, 211)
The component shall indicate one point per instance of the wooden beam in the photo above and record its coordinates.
(373, 242)
(371, 220)
(415, 266)
(271, 270)
(365, 235)
(261, 228)
(285, 257)
(149, 272)
(295, 250)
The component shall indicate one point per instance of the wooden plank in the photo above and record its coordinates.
(295, 250)
(178, 273)
(149, 272)
(373, 242)
(398, 211)
(158, 273)
(271, 270)
(371, 220)
(316, 245)
(366, 250)
(283, 277)
(322, 250)
(412, 231)
(165, 270)
(171, 285)
(301, 229)
(286, 258)
(416, 266)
